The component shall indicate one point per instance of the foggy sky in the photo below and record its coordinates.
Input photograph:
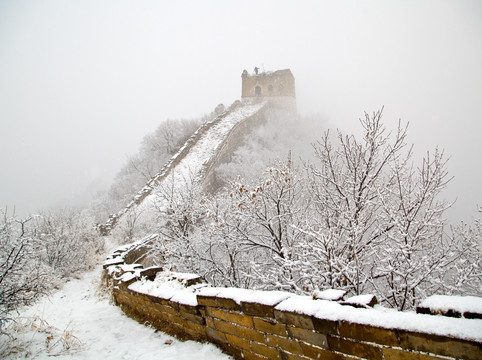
(81, 82)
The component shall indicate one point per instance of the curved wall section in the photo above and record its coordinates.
(250, 324)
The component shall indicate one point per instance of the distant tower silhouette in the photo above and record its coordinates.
(278, 86)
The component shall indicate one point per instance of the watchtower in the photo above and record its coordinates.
(278, 86)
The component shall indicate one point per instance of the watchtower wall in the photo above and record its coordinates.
(278, 87)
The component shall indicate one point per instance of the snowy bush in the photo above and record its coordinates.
(23, 277)
(38, 251)
(67, 240)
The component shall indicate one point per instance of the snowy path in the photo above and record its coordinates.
(78, 323)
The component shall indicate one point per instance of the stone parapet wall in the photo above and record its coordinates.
(265, 325)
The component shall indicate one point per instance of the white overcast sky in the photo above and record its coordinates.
(81, 82)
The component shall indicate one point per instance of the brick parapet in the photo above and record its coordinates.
(255, 330)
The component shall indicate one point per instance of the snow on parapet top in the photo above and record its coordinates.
(169, 286)
(329, 294)
(385, 318)
(461, 304)
(238, 295)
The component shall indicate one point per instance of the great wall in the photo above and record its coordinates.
(249, 324)
(262, 325)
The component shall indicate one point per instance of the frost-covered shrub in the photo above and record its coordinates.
(67, 241)
(23, 277)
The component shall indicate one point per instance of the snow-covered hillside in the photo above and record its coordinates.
(189, 164)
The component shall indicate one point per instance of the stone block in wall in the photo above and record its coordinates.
(251, 334)
(213, 301)
(308, 336)
(225, 327)
(266, 351)
(270, 326)
(361, 301)
(440, 345)
(298, 320)
(248, 355)
(368, 333)
(238, 341)
(217, 313)
(157, 299)
(287, 356)
(197, 319)
(325, 326)
(184, 308)
(117, 260)
(256, 309)
(170, 309)
(215, 336)
(329, 294)
(283, 343)
(313, 352)
(240, 319)
(194, 330)
(262, 303)
(397, 354)
(351, 347)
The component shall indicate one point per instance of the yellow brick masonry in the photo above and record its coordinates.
(257, 331)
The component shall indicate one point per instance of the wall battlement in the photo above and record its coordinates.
(261, 325)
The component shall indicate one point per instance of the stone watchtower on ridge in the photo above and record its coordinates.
(278, 87)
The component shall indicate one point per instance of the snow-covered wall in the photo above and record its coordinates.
(259, 325)
(194, 157)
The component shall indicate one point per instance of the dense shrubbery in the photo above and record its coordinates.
(38, 251)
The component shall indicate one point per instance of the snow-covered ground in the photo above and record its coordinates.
(79, 322)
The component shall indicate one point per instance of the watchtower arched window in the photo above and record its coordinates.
(257, 91)
(270, 89)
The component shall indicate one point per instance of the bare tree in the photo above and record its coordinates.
(266, 216)
(346, 185)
